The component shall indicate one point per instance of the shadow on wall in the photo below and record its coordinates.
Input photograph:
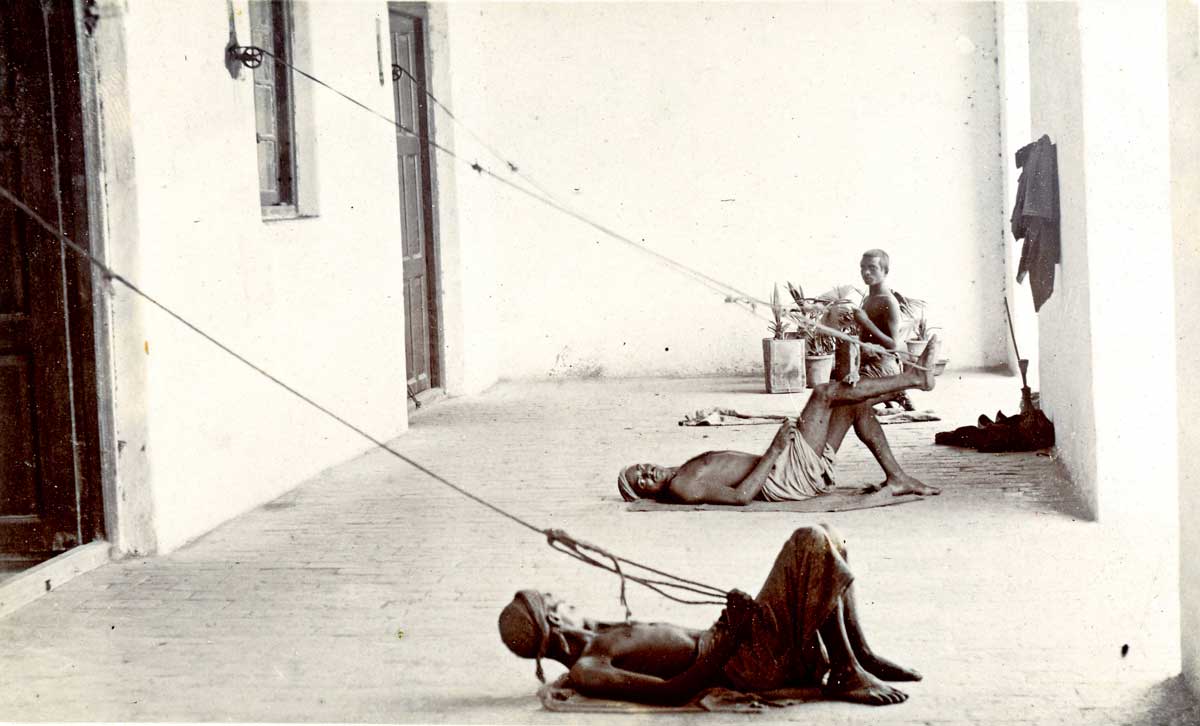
(567, 366)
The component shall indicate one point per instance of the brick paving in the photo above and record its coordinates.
(370, 593)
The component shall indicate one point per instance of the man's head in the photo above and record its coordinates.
(642, 481)
(532, 627)
(874, 266)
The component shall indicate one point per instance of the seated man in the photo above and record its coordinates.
(879, 321)
(790, 469)
(801, 630)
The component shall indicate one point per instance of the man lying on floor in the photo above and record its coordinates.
(801, 630)
(790, 469)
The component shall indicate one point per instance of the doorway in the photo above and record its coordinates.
(50, 498)
(407, 26)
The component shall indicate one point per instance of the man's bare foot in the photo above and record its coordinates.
(886, 670)
(858, 686)
(928, 361)
(905, 484)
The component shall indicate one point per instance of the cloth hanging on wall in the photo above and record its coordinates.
(1035, 217)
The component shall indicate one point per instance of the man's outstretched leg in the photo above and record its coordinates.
(814, 424)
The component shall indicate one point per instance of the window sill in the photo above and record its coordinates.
(279, 213)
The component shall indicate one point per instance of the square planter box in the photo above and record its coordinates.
(783, 365)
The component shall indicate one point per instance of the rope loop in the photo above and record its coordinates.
(576, 548)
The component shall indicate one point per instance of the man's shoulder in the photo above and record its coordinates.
(881, 300)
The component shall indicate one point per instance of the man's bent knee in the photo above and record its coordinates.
(835, 536)
(810, 539)
(823, 391)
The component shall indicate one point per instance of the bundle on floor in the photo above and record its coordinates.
(1028, 431)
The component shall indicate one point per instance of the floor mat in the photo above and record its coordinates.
(557, 696)
(730, 417)
(841, 499)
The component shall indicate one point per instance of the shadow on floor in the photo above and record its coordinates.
(1169, 703)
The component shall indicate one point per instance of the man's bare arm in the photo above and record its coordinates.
(748, 488)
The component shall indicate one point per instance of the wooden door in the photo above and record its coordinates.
(416, 208)
(48, 486)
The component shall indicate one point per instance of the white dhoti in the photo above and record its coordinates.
(799, 472)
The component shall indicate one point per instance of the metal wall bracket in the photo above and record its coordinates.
(250, 56)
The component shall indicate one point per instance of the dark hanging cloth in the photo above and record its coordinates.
(1035, 217)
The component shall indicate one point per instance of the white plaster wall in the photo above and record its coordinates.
(1184, 49)
(1124, 51)
(1099, 88)
(1125, 107)
(467, 260)
(1065, 322)
(1012, 21)
(755, 142)
(316, 301)
(128, 499)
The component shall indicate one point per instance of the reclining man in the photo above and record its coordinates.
(790, 469)
(801, 630)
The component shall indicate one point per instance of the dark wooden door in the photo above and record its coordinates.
(416, 215)
(48, 485)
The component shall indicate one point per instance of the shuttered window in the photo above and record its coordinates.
(270, 29)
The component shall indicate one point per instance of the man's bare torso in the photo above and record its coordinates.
(878, 308)
(656, 649)
(709, 471)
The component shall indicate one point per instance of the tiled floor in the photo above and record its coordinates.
(370, 593)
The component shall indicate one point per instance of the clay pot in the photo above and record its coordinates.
(818, 368)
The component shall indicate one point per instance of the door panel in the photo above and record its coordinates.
(416, 212)
(42, 482)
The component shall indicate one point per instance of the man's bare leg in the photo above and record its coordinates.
(874, 664)
(867, 427)
(848, 679)
(862, 418)
(815, 420)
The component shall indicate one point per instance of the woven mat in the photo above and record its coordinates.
(841, 499)
(730, 417)
(557, 696)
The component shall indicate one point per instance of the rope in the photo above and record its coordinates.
(401, 70)
(62, 268)
(565, 543)
(570, 546)
(748, 301)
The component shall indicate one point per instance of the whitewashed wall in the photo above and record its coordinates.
(755, 142)
(317, 301)
(1065, 322)
(1099, 81)
(1184, 29)
(1012, 24)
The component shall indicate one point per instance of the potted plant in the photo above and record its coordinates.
(783, 353)
(921, 332)
(820, 346)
